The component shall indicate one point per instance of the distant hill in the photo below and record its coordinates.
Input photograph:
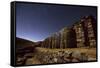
(21, 43)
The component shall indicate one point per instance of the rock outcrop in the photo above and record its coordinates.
(65, 38)
(81, 34)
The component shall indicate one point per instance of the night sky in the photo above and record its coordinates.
(35, 22)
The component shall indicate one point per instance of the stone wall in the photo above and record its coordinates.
(85, 31)
(63, 39)
(81, 34)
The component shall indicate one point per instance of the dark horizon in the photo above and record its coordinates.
(35, 22)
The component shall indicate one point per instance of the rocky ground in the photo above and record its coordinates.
(47, 56)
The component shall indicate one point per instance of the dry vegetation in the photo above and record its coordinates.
(91, 52)
(40, 53)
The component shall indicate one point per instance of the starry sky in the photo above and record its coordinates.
(35, 22)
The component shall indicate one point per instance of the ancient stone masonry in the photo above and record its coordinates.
(67, 39)
(85, 31)
(80, 34)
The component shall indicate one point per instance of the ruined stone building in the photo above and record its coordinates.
(81, 34)
(67, 39)
(85, 31)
